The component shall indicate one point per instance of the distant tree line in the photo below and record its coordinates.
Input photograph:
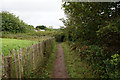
(12, 23)
(41, 27)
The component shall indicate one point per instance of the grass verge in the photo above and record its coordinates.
(75, 67)
(45, 71)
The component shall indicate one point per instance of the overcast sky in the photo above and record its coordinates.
(35, 12)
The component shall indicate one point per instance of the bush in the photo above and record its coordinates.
(93, 55)
(112, 67)
(13, 24)
(104, 67)
(60, 37)
(109, 37)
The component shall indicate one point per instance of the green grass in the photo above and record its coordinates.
(9, 44)
(75, 67)
(47, 68)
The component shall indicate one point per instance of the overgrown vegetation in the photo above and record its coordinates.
(17, 34)
(76, 68)
(93, 30)
(45, 71)
(37, 36)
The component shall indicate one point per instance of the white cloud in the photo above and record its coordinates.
(36, 12)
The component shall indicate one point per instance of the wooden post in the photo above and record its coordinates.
(8, 61)
(28, 60)
(33, 55)
(15, 64)
(19, 65)
(41, 48)
(24, 55)
(37, 51)
(3, 66)
(10, 54)
(37, 56)
(21, 61)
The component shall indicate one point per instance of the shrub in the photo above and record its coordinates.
(112, 67)
(60, 37)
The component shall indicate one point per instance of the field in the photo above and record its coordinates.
(9, 44)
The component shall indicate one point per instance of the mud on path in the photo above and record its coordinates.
(59, 70)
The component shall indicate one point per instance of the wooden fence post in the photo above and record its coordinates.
(39, 50)
(29, 57)
(35, 56)
(21, 62)
(19, 65)
(26, 61)
(41, 46)
(3, 66)
(10, 54)
(15, 64)
(33, 50)
(24, 55)
(8, 61)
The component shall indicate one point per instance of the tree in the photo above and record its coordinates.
(13, 24)
(96, 25)
(84, 19)
(41, 27)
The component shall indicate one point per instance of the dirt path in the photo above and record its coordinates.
(59, 64)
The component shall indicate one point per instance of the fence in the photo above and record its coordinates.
(22, 63)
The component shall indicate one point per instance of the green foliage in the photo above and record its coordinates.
(96, 25)
(60, 37)
(76, 67)
(49, 29)
(94, 57)
(35, 36)
(41, 27)
(47, 67)
(84, 19)
(112, 67)
(13, 24)
(106, 68)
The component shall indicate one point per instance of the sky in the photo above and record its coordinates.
(36, 12)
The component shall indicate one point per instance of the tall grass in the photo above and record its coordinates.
(76, 68)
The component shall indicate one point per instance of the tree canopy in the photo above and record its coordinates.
(84, 19)
(41, 27)
(96, 25)
(12, 23)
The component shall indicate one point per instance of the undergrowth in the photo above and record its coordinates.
(76, 68)
(45, 71)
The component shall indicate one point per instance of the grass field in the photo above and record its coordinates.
(9, 44)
